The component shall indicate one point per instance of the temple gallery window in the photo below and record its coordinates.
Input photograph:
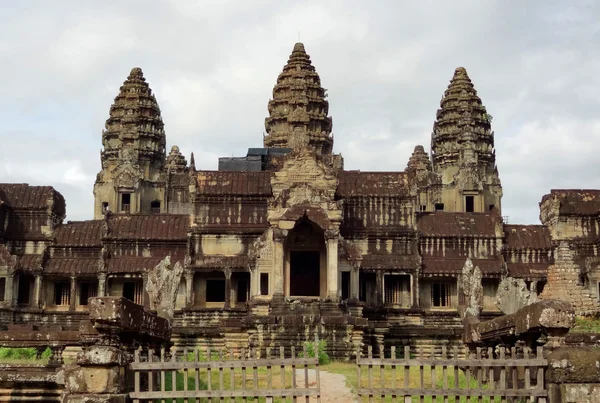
(469, 204)
(155, 207)
(24, 289)
(87, 290)
(104, 207)
(397, 289)
(441, 294)
(368, 288)
(126, 202)
(345, 285)
(439, 206)
(132, 290)
(62, 293)
(215, 290)
(264, 283)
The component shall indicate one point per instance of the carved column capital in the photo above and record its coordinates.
(279, 235)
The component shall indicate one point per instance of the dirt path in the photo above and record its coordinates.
(334, 387)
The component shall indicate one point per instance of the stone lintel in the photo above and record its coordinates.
(551, 315)
(120, 315)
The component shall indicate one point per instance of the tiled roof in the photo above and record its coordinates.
(80, 233)
(356, 183)
(69, 266)
(219, 261)
(156, 227)
(24, 196)
(528, 270)
(132, 264)
(440, 265)
(457, 224)
(233, 183)
(30, 262)
(576, 201)
(389, 261)
(527, 237)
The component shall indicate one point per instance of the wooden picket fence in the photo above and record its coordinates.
(191, 375)
(487, 376)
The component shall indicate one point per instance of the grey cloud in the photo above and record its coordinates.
(386, 64)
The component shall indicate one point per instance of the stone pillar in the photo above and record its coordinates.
(379, 287)
(73, 294)
(278, 260)
(228, 288)
(189, 288)
(37, 291)
(9, 290)
(332, 266)
(102, 284)
(354, 284)
(416, 292)
(145, 296)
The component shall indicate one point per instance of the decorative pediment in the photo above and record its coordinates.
(7, 261)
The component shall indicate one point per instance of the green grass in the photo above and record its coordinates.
(586, 325)
(23, 355)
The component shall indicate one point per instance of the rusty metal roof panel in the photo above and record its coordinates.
(79, 233)
(155, 227)
(443, 266)
(457, 224)
(356, 183)
(527, 237)
(212, 183)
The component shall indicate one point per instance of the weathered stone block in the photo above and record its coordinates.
(581, 393)
(102, 355)
(93, 379)
(96, 398)
(576, 365)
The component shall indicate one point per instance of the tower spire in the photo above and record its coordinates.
(134, 128)
(298, 110)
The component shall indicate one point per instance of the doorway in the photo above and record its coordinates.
(305, 270)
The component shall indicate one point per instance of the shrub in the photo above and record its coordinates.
(310, 352)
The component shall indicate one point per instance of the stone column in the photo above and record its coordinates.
(37, 291)
(101, 284)
(73, 294)
(189, 288)
(227, 288)
(354, 284)
(279, 236)
(416, 292)
(379, 287)
(332, 265)
(145, 296)
(9, 297)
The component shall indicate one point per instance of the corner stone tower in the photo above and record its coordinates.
(132, 175)
(462, 147)
(298, 110)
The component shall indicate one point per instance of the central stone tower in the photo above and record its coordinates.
(462, 148)
(298, 110)
(133, 160)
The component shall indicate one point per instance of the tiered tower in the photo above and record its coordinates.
(132, 175)
(462, 146)
(298, 110)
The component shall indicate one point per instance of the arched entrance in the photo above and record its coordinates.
(306, 260)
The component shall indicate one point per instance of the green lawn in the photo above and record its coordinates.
(586, 325)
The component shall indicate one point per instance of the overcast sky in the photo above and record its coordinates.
(213, 64)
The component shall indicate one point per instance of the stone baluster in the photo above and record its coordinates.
(73, 294)
(189, 288)
(37, 292)
(228, 298)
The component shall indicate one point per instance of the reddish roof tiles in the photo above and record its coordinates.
(156, 227)
(528, 270)
(356, 183)
(233, 183)
(24, 196)
(68, 266)
(219, 261)
(132, 264)
(389, 261)
(457, 224)
(576, 201)
(30, 262)
(80, 233)
(440, 265)
(527, 237)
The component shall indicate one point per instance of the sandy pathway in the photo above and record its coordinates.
(334, 387)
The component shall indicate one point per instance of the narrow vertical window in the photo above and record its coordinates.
(469, 204)
(126, 202)
(264, 283)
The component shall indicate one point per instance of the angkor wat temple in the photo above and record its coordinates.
(284, 242)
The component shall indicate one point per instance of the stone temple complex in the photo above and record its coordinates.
(284, 242)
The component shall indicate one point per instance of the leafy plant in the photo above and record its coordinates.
(310, 352)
